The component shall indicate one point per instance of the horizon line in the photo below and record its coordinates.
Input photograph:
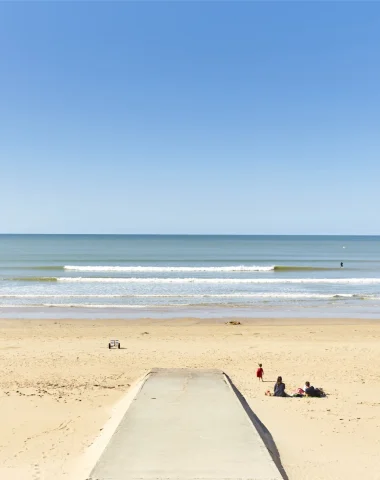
(207, 234)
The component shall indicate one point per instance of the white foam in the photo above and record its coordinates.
(90, 305)
(154, 269)
(340, 281)
(37, 295)
(205, 295)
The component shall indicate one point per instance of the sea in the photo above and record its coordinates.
(206, 276)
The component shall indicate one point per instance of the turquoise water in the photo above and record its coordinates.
(146, 275)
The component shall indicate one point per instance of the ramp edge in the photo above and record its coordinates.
(92, 454)
(263, 433)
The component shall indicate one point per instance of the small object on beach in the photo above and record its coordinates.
(233, 322)
(114, 344)
(145, 333)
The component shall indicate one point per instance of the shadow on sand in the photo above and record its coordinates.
(262, 430)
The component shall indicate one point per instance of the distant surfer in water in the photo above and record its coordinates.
(341, 264)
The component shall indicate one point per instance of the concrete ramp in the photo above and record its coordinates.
(186, 425)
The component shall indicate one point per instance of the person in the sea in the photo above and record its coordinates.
(279, 388)
(341, 264)
(260, 372)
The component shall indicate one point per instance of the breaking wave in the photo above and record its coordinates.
(88, 305)
(205, 269)
(155, 269)
(199, 295)
(340, 281)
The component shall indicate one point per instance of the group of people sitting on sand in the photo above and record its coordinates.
(279, 388)
(307, 391)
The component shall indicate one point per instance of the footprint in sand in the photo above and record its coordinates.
(37, 472)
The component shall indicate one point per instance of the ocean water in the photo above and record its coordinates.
(126, 276)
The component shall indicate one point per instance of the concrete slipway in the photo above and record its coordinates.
(184, 425)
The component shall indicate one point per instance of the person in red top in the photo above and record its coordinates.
(260, 372)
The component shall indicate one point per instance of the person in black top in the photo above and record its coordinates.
(279, 388)
(311, 391)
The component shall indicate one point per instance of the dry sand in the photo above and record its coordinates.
(59, 383)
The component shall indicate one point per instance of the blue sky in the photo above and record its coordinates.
(190, 117)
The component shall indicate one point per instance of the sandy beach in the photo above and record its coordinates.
(60, 383)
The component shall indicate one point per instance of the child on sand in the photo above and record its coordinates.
(260, 372)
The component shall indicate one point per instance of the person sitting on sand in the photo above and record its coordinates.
(310, 391)
(279, 388)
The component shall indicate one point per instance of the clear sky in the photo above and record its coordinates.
(193, 117)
